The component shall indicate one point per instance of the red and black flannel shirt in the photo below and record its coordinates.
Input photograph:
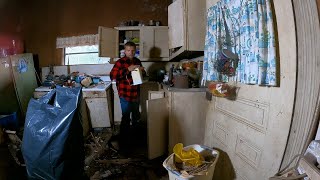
(123, 78)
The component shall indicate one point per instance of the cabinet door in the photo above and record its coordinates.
(146, 42)
(161, 44)
(117, 114)
(187, 118)
(99, 112)
(145, 88)
(176, 23)
(157, 125)
(154, 43)
(196, 25)
(84, 118)
(108, 42)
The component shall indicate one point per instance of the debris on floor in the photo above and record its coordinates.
(14, 146)
(103, 160)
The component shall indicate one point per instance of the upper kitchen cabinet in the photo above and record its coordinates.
(151, 41)
(187, 22)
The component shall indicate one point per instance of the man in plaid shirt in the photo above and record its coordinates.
(129, 94)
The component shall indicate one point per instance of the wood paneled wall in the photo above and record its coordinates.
(10, 16)
(41, 22)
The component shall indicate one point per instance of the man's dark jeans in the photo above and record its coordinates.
(129, 110)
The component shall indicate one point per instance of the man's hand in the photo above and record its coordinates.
(133, 67)
(141, 68)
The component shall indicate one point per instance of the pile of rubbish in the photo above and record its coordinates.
(191, 161)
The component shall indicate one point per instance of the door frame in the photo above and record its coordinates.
(306, 112)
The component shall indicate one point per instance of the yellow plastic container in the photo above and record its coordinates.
(205, 152)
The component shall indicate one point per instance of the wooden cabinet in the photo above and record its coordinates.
(99, 107)
(151, 41)
(144, 89)
(187, 24)
(157, 124)
(180, 117)
(116, 105)
(95, 107)
(187, 118)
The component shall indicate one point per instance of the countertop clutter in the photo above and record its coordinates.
(96, 87)
(96, 96)
(185, 75)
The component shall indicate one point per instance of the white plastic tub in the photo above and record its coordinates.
(203, 150)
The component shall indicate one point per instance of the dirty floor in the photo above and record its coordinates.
(105, 160)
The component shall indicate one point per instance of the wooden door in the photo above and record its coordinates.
(157, 125)
(25, 81)
(252, 132)
(108, 42)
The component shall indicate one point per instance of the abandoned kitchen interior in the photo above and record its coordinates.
(160, 89)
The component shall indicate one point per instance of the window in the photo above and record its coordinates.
(83, 55)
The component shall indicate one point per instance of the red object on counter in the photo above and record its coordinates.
(10, 44)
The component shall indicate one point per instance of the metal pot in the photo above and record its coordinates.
(181, 81)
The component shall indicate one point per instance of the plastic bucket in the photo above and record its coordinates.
(205, 152)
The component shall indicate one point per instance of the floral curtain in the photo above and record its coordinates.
(246, 28)
(63, 42)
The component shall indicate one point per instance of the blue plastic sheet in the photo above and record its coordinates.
(9, 120)
(52, 144)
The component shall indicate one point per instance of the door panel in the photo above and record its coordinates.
(161, 43)
(252, 131)
(157, 122)
(24, 82)
(99, 112)
(147, 41)
(196, 24)
(108, 42)
(176, 24)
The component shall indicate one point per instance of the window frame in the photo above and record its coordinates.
(65, 54)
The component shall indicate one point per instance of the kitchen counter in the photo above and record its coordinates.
(95, 108)
(167, 87)
(98, 87)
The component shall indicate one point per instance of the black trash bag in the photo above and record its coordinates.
(52, 144)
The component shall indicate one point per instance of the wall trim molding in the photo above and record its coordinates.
(228, 107)
(306, 107)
